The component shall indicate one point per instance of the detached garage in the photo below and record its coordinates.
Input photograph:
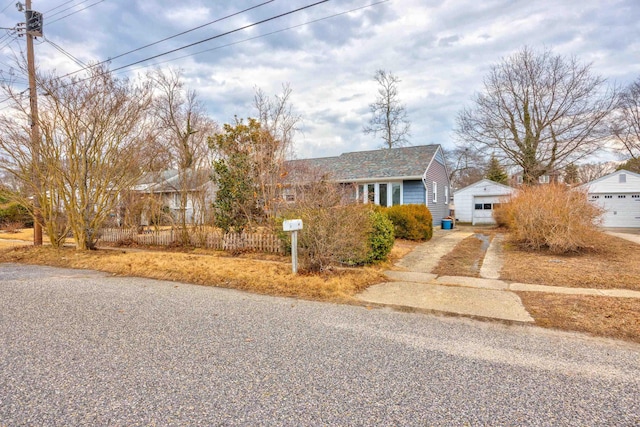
(476, 202)
(619, 195)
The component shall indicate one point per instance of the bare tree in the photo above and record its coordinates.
(389, 118)
(590, 171)
(539, 111)
(88, 153)
(465, 165)
(183, 131)
(278, 123)
(626, 121)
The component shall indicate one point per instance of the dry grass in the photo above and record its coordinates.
(616, 264)
(601, 316)
(466, 258)
(24, 234)
(264, 277)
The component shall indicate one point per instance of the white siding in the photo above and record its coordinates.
(464, 199)
(620, 198)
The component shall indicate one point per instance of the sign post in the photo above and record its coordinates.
(293, 225)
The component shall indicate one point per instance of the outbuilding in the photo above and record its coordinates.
(476, 202)
(619, 195)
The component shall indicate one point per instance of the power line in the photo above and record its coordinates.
(64, 52)
(266, 34)
(69, 8)
(6, 7)
(77, 11)
(170, 37)
(222, 34)
(59, 6)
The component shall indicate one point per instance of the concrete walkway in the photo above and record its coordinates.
(416, 287)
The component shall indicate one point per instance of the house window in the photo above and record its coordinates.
(290, 197)
(360, 193)
(176, 200)
(544, 179)
(608, 197)
(435, 192)
(487, 206)
(622, 178)
(519, 179)
(371, 193)
(635, 196)
(621, 196)
(395, 194)
(383, 195)
(478, 206)
(595, 197)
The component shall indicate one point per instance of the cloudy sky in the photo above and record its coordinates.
(329, 52)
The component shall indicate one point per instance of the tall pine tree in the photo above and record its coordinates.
(495, 171)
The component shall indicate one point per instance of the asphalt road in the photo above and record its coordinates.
(84, 348)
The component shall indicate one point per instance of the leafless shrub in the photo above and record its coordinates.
(12, 227)
(551, 217)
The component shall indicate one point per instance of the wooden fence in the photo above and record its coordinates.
(259, 242)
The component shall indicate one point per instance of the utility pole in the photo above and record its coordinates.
(33, 28)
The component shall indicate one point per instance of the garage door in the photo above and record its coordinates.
(483, 209)
(621, 210)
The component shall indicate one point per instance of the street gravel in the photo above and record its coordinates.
(85, 348)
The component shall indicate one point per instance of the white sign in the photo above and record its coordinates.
(292, 225)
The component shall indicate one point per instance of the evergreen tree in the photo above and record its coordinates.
(495, 172)
(571, 175)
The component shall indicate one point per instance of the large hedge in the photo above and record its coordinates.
(14, 213)
(411, 222)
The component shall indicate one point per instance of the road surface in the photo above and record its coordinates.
(86, 348)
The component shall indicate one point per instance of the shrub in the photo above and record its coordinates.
(552, 217)
(381, 236)
(13, 212)
(411, 222)
(352, 234)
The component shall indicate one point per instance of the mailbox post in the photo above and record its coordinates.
(293, 225)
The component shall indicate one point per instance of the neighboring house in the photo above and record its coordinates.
(387, 177)
(166, 187)
(476, 202)
(556, 176)
(619, 195)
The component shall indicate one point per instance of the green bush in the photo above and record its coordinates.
(381, 236)
(15, 213)
(411, 222)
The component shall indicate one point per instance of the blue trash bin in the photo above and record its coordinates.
(447, 224)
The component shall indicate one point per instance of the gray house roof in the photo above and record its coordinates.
(399, 163)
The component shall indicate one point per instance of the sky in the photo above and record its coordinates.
(328, 53)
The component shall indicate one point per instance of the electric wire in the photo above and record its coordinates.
(77, 11)
(170, 37)
(64, 52)
(69, 8)
(6, 7)
(262, 35)
(222, 34)
(59, 6)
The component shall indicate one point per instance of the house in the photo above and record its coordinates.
(387, 177)
(619, 195)
(476, 202)
(555, 176)
(164, 189)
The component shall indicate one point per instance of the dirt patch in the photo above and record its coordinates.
(601, 316)
(615, 264)
(466, 257)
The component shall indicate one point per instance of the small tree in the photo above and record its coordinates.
(389, 116)
(495, 172)
(571, 174)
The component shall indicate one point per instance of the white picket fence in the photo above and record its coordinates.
(259, 242)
